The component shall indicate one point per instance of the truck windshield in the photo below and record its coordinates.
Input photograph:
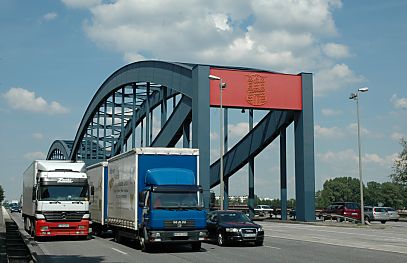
(63, 193)
(174, 200)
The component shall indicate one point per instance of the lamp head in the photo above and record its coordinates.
(353, 96)
(212, 77)
(364, 89)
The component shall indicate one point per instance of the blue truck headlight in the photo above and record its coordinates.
(230, 229)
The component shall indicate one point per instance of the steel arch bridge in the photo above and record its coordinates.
(121, 114)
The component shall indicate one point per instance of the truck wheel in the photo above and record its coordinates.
(221, 240)
(144, 246)
(383, 221)
(196, 246)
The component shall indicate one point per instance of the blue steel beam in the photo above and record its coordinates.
(172, 130)
(175, 75)
(63, 146)
(252, 144)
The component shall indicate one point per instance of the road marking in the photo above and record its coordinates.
(115, 249)
(273, 247)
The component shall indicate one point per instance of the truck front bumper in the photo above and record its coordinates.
(186, 236)
(62, 228)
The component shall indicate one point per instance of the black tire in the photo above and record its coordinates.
(144, 246)
(221, 240)
(196, 246)
(32, 229)
(258, 243)
(117, 237)
(383, 221)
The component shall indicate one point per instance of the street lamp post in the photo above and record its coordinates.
(355, 96)
(222, 183)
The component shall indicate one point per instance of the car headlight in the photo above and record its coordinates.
(230, 229)
(259, 229)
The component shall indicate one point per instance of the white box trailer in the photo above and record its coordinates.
(97, 176)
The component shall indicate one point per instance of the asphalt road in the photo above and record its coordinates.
(283, 243)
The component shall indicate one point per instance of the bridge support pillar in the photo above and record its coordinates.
(201, 126)
(304, 154)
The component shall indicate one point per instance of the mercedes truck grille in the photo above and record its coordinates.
(63, 216)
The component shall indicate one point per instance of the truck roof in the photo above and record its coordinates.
(157, 151)
(170, 176)
(60, 165)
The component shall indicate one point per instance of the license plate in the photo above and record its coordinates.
(180, 234)
(354, 214)
(249, 235)
(63, 225)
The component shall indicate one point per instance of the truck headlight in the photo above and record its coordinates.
(44, 228)
(260, 229)
(230, 229)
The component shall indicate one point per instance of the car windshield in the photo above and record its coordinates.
(233, 217)
(174, 200)
(63, 193)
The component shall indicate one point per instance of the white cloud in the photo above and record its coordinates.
(286, 36)
(353, 129)
(22, 99)
(81, 4)
(331, 112)
(334, 50)
(398, 103)
(333, 132)
(221, 22)
(335, 78)
(35, 156)
(50, 16)
(397, 136)
(38, 136)
(347, 156)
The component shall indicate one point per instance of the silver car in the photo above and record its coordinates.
(393, 214)
(376, 213)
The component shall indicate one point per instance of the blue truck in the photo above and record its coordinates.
(150, 195)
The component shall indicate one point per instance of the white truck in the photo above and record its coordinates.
(55, 199)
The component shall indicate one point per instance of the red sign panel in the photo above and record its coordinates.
(251, 89)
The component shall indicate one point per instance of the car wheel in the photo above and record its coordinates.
(383, 221)
(221, 240)
(259, 243)
(196, 246)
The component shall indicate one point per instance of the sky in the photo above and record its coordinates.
(54, 55)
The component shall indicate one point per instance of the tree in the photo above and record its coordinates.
(399, 174)
(1, 194)
(337, 190)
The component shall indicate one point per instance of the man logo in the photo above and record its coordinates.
(256, 90)
(179, 223)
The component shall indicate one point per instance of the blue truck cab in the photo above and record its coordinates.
(171, 208)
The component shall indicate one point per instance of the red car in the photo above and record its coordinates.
(342, 209)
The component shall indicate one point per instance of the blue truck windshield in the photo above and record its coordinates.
(174, 200)
(63, 193)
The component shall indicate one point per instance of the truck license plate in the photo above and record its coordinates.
(180, 234)
(63, 225)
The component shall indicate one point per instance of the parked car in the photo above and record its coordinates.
(15, 208)
(376, 213)
(341, 210)
(227, 227)
(393, 214)
(264, 210)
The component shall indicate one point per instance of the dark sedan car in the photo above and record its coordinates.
(228, 227)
